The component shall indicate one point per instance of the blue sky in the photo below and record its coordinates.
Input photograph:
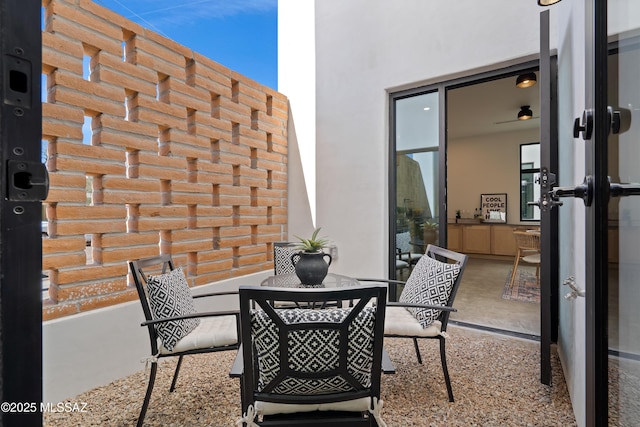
(239, 34)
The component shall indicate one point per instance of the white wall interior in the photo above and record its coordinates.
(486, 164)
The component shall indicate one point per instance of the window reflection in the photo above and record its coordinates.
(529, 174)
(416, 175)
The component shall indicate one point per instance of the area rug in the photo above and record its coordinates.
(525, 287)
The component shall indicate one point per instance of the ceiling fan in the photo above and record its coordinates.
(514, 120)
(525, 113)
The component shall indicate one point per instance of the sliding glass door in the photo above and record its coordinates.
(416, 184)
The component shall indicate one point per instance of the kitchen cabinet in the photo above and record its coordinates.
(482, 238)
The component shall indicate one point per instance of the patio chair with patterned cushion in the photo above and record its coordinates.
(405, 250)
(309, 366)
(282, 252)
(422, 310)
(174, 326)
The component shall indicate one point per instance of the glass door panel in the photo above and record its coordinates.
(416, 176)
(624, 216)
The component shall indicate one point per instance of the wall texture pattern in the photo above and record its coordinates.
(151, 148)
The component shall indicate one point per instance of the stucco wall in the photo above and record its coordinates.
(363, 50)
(180, 155)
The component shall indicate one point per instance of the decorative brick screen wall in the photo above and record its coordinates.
(178, 155)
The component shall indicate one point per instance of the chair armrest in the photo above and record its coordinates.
(215, 294)
(387, 364)
(435, 307)
(237, 369)
(392, 295)
(192, 316)
(398, 282)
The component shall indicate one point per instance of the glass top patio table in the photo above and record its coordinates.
(291, 280)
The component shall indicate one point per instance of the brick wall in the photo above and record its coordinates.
(178, 155)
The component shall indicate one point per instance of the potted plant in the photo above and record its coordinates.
(310, 264)
(430, 231)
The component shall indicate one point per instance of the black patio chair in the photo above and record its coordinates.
(175, 328)
(423, 307)
(311, 367)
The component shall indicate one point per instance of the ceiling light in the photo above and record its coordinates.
(427, 108)
(525, 113)
(526, 80)
(548, 2)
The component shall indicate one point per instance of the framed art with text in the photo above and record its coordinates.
(494, 207)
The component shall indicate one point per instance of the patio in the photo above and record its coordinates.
(495, 380)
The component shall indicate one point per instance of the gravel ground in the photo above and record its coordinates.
(495, 383)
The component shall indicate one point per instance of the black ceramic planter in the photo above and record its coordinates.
(311, 268)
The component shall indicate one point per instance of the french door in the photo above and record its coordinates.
(622, 233)
(609, 132)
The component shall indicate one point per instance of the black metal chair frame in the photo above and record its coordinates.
(444, 255)
(245, 366)
(160, 265)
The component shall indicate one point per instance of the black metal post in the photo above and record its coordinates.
(24, 184)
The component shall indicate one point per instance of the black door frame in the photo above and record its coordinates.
(596, 242)
(549, 272)
(442, 88)
(21, 213)
(549, 249)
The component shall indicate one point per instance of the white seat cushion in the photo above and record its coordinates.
(217, 331)
(357, 405)
(401, 264)
(532, 259)
(399, 321)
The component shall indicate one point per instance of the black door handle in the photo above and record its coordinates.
(585, 126)
(624, 190)
(582, 191)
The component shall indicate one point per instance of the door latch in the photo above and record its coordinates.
(546, 180)
(584, 127)
(582, 191)
(28, 181)
(618, 121)
(575, 290)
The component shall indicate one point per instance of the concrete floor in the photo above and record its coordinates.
(479, 299)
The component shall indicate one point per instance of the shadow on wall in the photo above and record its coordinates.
(300, 217)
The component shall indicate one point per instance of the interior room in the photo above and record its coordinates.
(493, 152)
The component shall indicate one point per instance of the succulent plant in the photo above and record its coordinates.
(313, 244)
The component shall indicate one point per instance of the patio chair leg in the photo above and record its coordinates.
(175, 375)
(415, 344)
(515, 269)
(147, 396)
(443, 359)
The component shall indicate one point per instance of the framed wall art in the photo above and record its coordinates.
(494, 207)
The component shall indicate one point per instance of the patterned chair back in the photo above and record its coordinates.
(282, 252)
(403, 241)
(306, 355)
